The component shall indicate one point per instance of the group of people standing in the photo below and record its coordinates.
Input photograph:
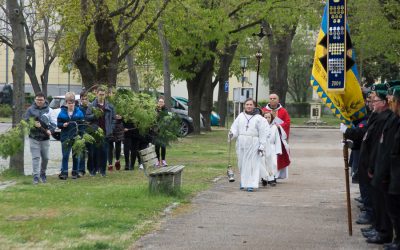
(77, 118)
(262, 143)
(375, 162)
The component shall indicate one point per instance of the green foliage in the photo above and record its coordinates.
(167, 128)
(138, 108)
(12, 141)
(376, 38)
(5, 110)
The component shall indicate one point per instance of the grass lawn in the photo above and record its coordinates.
(6, 119)
(103, 213)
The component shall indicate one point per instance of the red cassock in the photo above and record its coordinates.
(283, 115)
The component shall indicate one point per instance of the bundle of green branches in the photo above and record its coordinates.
(12, 141)
(167, 128)
(90, 136)
(137, 108)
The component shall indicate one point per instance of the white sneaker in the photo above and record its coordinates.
(141, 167)
(164, 163)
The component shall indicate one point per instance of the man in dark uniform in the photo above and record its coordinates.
(369, 147)
(379, 172)
(392, 177)
(356, 134)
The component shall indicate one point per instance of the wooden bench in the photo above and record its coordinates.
(164, 179)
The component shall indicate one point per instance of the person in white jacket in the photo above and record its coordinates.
(250, 130)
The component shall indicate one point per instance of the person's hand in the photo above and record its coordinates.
(230, 136)
(37, 124)
(65, 124)
(118, 117)
(343, 128)
(48, 132)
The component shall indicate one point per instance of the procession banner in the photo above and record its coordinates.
(334, 73)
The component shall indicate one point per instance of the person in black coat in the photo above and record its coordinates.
(117, 138)
(369, 154)
(161, 150)
(391, 178)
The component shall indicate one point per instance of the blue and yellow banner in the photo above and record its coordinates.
(346, 102)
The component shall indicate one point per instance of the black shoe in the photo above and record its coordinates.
(364, 219)
(377, 239)
(392, 246)
(367, 229)
(359, 199)
(62, 176)
(369, 234)
(264, 182)
(362, 207)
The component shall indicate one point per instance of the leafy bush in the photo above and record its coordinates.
(12, 141)
(5, 110)
(167, 128)
(139, 109)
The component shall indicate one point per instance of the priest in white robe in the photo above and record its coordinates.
(250, 130)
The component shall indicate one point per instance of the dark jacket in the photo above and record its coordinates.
(74, 121)
(36, 113)
(356, 133)
(382, 163)
(394, 184)
(369, 146)
(118, 132)
(109, 117)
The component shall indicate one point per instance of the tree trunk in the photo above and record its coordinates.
(106, 37)
(166, 68)
(207, 98)
(30, 70)
(130, 61)
(225, 62)
(17, 21)
(280, 47)
(195, 88)
(80, 58)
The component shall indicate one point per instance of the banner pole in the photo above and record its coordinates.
(346, 172)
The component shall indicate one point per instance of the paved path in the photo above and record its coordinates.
(307, 211)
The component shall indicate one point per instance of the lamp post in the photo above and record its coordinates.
(243, 66)
(69, 67)
(258, 57)
(260, 35)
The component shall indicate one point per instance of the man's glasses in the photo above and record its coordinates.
(374, 101)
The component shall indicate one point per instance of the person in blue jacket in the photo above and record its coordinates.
(68, 121)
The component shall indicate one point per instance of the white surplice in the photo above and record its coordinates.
(276, 148)
(250, 131)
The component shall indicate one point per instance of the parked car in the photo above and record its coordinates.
(181, 110)
(214, 117)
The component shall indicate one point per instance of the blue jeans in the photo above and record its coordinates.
(66, 150)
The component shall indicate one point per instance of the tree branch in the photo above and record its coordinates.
(141, 36)
(245, 26)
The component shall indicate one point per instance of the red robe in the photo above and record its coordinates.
(282, 114)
